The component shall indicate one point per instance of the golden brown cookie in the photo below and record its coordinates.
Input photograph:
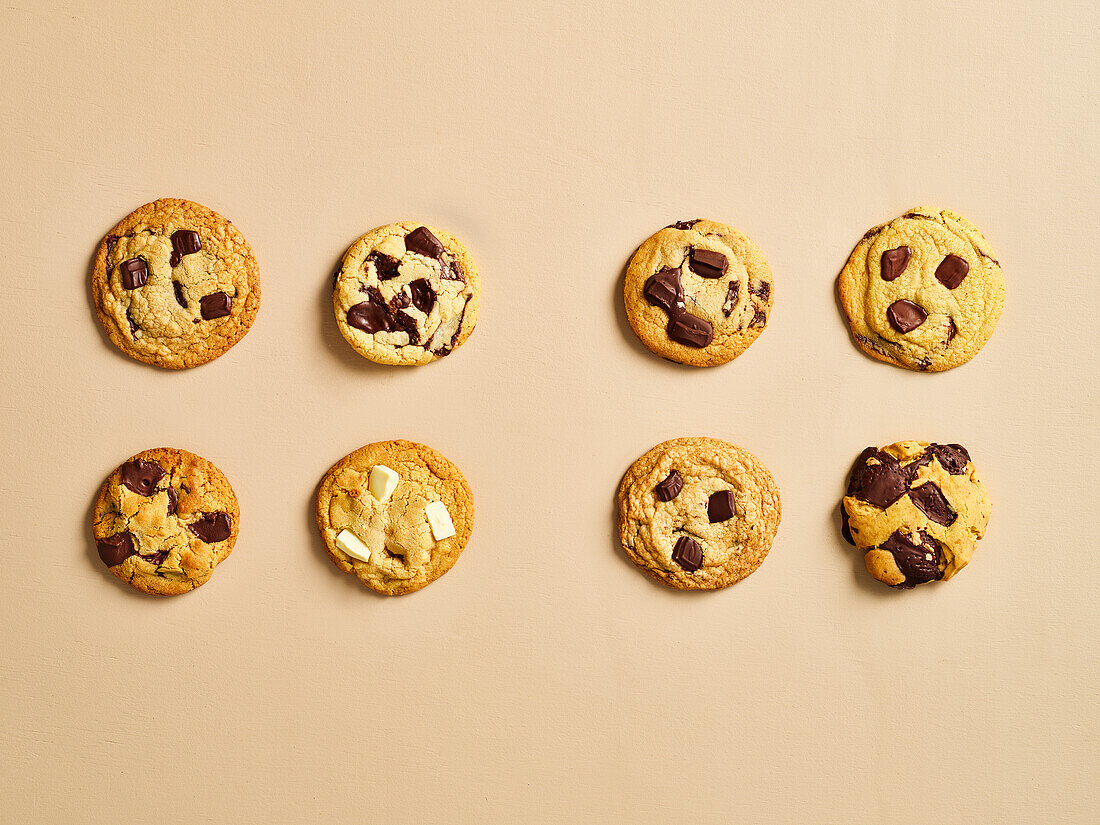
(698, 513)
(406, 294)
(698, 292)
(916, 510)
(164, 520)
(175, 284)
(396, 514)
(924, 291)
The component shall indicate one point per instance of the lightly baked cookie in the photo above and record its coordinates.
(175, 284)
(698, 513)
(164, 520)
(396, 514)
(406, 294)
(924, 291)
(698, 292)
(916, 510)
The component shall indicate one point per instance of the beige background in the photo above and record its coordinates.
(544, 679)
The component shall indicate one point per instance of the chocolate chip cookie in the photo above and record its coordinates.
(175, 284)
(698, 292)
(406, 294)
(916, 510)
(164, 520)
(698, 513)
(396, 514)
(924, 291)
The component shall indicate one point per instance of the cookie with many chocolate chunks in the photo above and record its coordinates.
(164, 520)
(698, 513)
(395, 514)
(916, 510)
(175, 284)
(406, 294)
(698, 292)
(924, 291)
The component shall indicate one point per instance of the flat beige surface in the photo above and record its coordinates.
(544, 679)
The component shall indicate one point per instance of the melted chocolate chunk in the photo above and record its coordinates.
(215, 305)
(721, 506)
(384, 266)
(688, 553)
(173, 501)
(400, 301)
(450, 270)
(761, 289)
(184, 242)
(952, 457)
(951, 271)
(423, 242)
(371, 316)
(893, 262)
(155, 558)
(668, 489)
(919, 563)
(845, 527)
(664, 290)
(141, 476)
(879, 484)
(952, 330)
(405, 322)
(905, 316)
(759, 318)
(133, 326)
(683, 225)
(134, 272)
(114, 550)
(930, 500)
(690, 330)
(177, 287)
(112, 242)
(708, 264)
(731, 298)
(212, 527)
(423, 296)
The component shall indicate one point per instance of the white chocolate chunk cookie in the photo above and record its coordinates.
(698, 292)
(175, 284)
(164, 520)
(406, 294)
(403, 535)
(698, 513)
(924, 291)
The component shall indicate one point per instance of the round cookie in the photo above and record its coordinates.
(923, 291)
(175, 284)
(396, 514)
(406, 294)
(164, 520)
(698, 513)
(698, 292)
(916, 510)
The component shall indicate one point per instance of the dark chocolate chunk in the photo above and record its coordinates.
(177, 287)
(951, 271)
(668, 489)
(893, 262)
(845, 527)
(405, 322)
(423, 296)
(423, 242)
(155, 558)
(731, 298)
(664, 289)
(371, 316)
(401, 300)
(761, 289)
(952, 457)
(708, 264)
(385, 267)
(450, 270)
(952, 330)
(184, 242)
(930, 500)
(690, 330)
(880, 484)
(134, 272)
(212, 527)
(130, 321)
(141, 476)
(759, 318)
(913, 559)
(683, 225)
(112, 241)
(688, 553)
(115, 549)
(215, 305)
(721, 506)
(173, 501)
(905, 316)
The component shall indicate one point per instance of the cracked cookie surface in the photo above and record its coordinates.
(916, 510)
(698, 292)
(406, 294)
(403, 553)
(698, 513)
(924, 291)
(175, 284)
(164, 520)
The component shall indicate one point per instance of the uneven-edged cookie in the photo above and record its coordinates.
(175, 284)
(698, 513)
(396, 514)
(924, 291)
(406, 294)
(698, 292)
(916, 510)
(164, 520)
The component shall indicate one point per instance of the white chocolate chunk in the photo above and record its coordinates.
(349, 543)
(382, 482)
(440, 520)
